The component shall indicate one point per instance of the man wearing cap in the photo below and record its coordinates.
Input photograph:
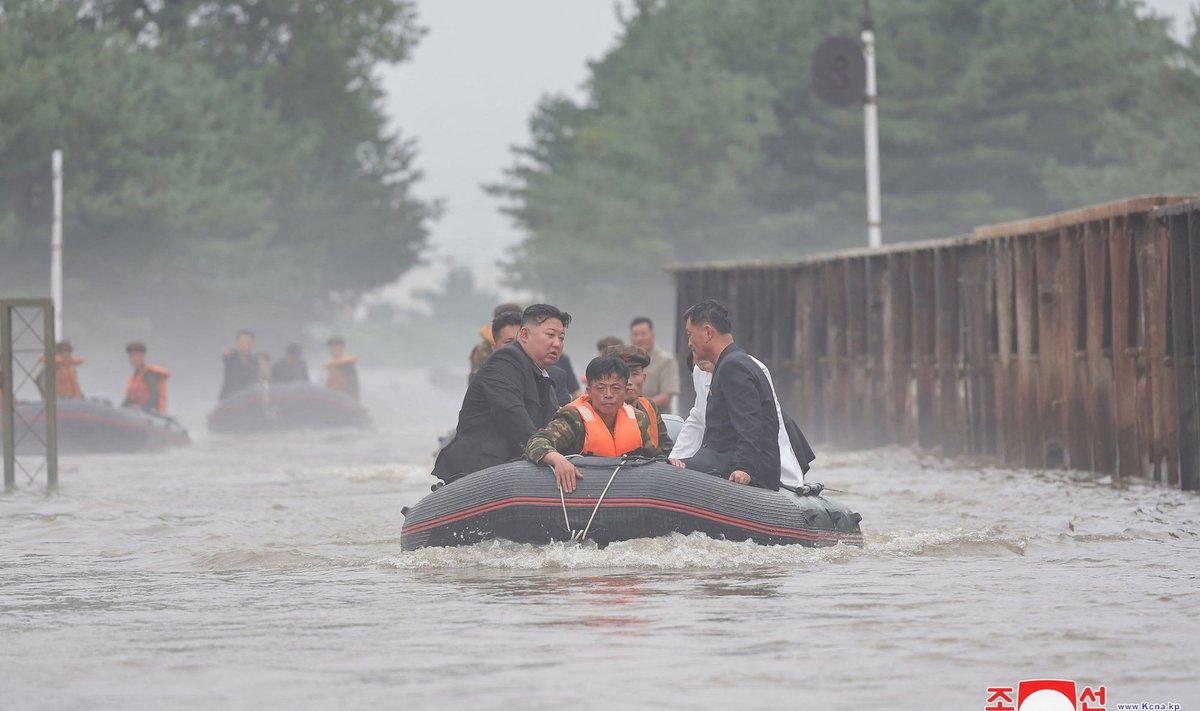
(638, 361)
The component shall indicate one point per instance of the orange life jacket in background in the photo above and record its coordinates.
(66, 377)
(653, 413)
(137, 392)
(598, 440)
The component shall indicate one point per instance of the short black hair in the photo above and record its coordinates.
(135, 347)
(639, 321)
(335, 340)
(604, 366)
(711, 312)
(503, 320)
(537, 314)
(245, 332)
(294, 349)
(510, 306)
(63, 346)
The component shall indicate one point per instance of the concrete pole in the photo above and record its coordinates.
(56, 244)
(871, 131)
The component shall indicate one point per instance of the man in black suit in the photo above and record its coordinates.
(741, 433)
(509, 398)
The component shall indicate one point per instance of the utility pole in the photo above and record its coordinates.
(56, 243)
(871, 131)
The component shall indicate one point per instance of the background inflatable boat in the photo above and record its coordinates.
(520, 502)
(286, 406)
(97, 427)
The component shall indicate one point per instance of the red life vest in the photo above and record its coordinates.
(653, 413)
(137, 392)
(598, 440)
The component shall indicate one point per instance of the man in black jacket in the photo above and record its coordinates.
(741, 432)
(509, 398)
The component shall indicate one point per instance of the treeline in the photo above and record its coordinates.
(228, 162)
(700, 137)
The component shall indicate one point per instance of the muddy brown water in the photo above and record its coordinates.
(267, 573)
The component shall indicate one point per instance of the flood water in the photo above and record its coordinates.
(267, 573)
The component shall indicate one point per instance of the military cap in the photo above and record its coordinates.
(632, 355)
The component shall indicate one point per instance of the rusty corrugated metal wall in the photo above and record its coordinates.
(1063, 341)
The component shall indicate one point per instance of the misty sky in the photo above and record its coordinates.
(469, 91)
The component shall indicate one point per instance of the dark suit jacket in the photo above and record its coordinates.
(507, 401)
(741, 429)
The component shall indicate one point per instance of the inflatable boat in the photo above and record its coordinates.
(260, 408)
(618, 500)
(96, 426)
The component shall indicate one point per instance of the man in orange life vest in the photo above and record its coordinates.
(147, 388)
(598, 423)
(638, 360)
(66, 377)
(342, 370)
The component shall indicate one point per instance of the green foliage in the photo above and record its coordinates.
(229, 160)
(700, 137)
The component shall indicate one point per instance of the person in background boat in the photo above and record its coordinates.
(795, 454)
(147, 387)
(741, 433)
(341, 372)
(486, 346)
(291, 368)
(599, 423)
(243, 367)
(638, 360)
(66, 375)
(662, 377)
(510, 397)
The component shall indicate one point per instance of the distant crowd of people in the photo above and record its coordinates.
(146, 389)
(523, 400)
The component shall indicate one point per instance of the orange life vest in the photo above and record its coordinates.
(653, 413)
(137, 392)
(598, 440)
(66, 378)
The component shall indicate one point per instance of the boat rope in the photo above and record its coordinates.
(580, 536)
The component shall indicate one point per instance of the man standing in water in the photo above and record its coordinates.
(243, 367)
(741, 433)
(508, 399)
(342, 369)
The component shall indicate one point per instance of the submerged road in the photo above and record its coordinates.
(267, 573)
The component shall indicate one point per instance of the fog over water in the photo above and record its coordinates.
(266, 573)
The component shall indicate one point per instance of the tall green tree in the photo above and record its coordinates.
(700, 136)
(227, 160)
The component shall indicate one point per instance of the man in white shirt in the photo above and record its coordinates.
(791, 472)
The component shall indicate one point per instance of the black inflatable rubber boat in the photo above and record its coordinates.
(97, 427)
(259, 408)
(520, 502)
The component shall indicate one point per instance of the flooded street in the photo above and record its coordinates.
(267, 573)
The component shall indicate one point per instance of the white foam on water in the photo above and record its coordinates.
(696, 551)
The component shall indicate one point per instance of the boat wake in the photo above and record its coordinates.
(697, 551)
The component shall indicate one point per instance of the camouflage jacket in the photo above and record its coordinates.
(664, 439)
(565, 434)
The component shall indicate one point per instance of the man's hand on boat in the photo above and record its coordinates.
(739, 477)
(564, 471)
(677, 463)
